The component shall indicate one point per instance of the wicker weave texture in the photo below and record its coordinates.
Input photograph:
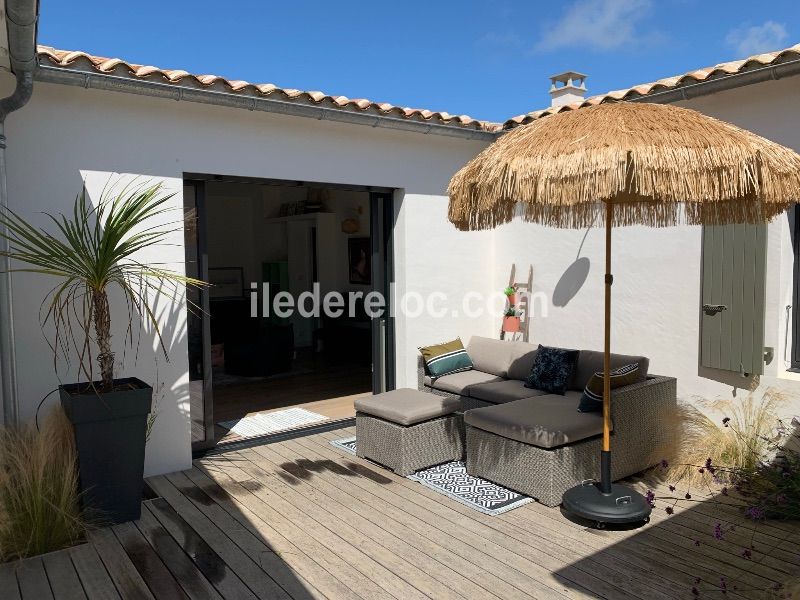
(639, 412)
(409, 449)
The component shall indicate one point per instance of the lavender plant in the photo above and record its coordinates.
(761, 484)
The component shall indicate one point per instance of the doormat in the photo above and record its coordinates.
(273, 422)
(452, 480)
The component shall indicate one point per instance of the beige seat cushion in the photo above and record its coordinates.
(490, 356)
(544, 421)
(500, 392)
(406, 406)
(459, 383)
(591, 362)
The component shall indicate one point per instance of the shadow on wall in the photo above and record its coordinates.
(573, 278)
(571, 281)
(138, 351)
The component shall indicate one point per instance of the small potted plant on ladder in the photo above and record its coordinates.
(511, 295)
(91, 251)
(511, 320)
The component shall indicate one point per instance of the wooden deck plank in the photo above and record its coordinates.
(731, 558)
(155, 574)
(549, 556)
(301, 520)
(675, 574)
(8, 581)
(482, 543)
(368, 576)
(429, 577)
(92, 572)
(372, 520)
(186, 498)
(32, 580)
(312, 564)
(677, 544)
(172, 554)
(64, 580)
(123, 573)
(534, 538)
(200, 533)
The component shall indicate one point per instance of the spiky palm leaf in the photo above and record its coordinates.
(93, 250)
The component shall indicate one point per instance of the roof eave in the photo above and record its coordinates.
(683, 91)
(175, 91)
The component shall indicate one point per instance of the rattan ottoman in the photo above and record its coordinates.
(407, 430)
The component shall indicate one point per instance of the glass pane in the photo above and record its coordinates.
(194, 320)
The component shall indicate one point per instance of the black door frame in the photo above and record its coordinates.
(382, 264)
(199, 270)
(381, 207)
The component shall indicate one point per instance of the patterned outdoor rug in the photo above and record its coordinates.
(273, 422)
(452, 480)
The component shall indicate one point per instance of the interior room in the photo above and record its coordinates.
(270, 239)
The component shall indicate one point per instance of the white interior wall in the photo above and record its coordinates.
(66, 132)
(242, 235)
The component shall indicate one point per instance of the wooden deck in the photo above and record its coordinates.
(298, 519)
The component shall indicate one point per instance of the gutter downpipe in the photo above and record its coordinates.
(21, 19)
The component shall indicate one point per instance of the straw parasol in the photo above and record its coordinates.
(634, 164)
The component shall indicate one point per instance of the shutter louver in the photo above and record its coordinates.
(732, 311)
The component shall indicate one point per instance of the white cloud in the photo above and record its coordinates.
(501, 40)
(758, 38)
(596, 24)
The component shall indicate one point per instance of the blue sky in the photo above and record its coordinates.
(490, 60)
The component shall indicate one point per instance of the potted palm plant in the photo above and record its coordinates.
(91, 251)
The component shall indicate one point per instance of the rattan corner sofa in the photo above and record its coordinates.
(538, 444)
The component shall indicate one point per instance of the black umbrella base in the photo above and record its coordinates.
(620, 507)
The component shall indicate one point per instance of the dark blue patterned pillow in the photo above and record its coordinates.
(552, 369)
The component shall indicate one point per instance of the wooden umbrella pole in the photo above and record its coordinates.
(605, 479)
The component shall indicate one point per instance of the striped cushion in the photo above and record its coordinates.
(592, 398)
(443, 359)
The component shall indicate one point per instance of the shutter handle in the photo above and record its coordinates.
(713, 309)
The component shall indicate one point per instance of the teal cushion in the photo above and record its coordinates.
(443, 359)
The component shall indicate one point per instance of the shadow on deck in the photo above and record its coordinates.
(299, 519)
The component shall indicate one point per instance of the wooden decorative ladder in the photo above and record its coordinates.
(524, 289)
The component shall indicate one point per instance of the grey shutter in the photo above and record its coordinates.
(734, 283)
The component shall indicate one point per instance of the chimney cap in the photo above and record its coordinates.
(567, 87)
(566, 75)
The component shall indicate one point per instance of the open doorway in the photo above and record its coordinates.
(267, 351)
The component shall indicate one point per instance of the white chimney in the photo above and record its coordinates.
(567, 87)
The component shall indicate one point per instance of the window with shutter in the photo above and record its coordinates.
(734, 283)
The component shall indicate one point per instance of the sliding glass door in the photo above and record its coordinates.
(197, 319)
(198, 237)
(381, 228)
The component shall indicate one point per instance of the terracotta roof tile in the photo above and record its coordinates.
(668, 83)
(76, 60)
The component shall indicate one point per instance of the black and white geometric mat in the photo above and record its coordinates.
(452, 480)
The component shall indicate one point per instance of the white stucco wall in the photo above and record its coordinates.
(66, 134)
(657, 272)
